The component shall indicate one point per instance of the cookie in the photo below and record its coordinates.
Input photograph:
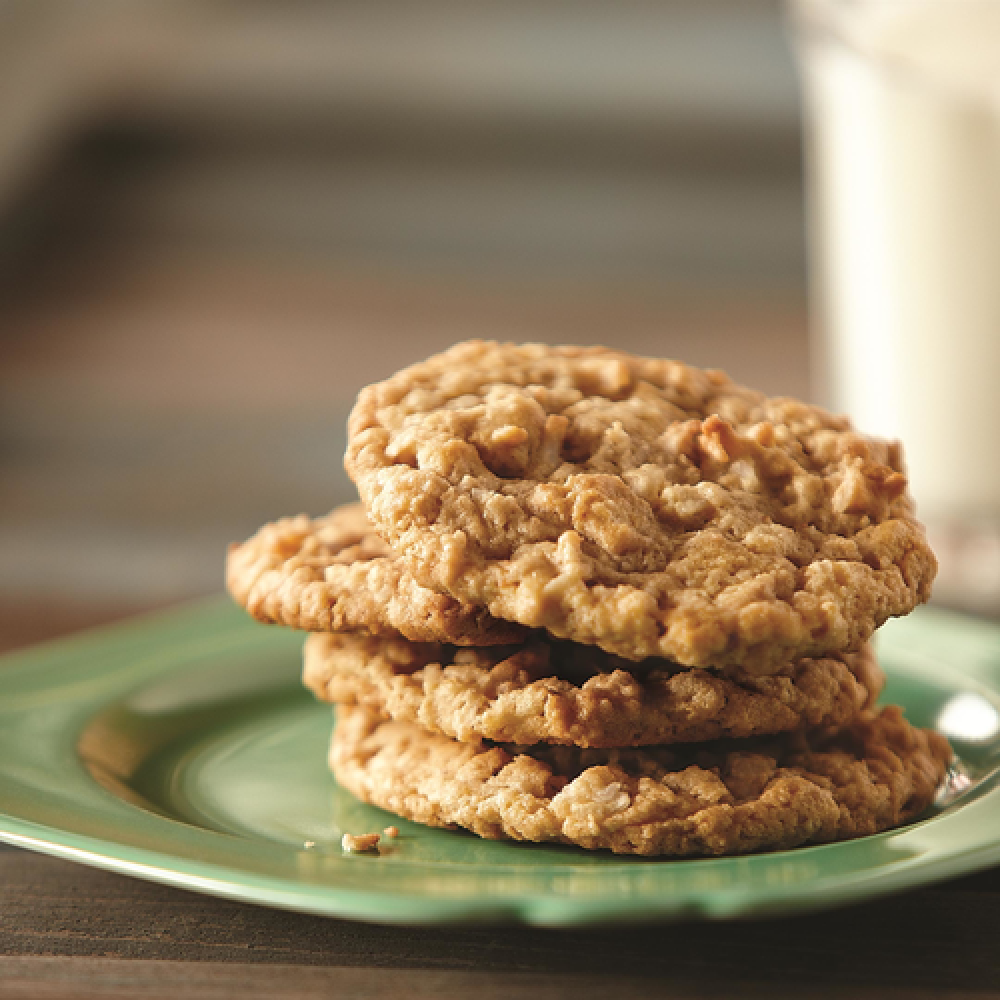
(644, 506)
(558, 692)
(335, 573)
(728, 798)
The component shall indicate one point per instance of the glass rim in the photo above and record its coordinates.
(817, 22)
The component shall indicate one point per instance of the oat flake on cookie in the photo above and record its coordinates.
(645, 506)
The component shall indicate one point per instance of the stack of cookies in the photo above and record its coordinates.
(607, 601)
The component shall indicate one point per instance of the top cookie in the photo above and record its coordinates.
(645, 506)
(334, 573)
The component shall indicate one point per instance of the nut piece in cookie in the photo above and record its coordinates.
(551, 691)
(645, 506)
(334, 572)
(722, 798)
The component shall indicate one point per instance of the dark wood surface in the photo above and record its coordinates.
(70, 930)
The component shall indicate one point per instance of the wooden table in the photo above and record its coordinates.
(71, 931)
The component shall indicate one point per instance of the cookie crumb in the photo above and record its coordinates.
(355, 845)
(391, 832)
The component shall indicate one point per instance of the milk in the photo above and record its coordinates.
(904, 158)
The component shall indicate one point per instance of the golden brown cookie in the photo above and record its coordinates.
(335, 573)
(551, 691)
(644, 506)
(725, 798)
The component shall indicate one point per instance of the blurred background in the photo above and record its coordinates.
(219, 220)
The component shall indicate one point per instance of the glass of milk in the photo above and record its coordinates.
(903, 160)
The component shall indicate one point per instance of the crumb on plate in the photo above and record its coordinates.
(363, 842)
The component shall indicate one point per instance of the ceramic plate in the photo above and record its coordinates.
(181, 748)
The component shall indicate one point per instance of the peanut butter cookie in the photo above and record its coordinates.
(334, 572)
(552, 691)
(729, 798)
(644, 506)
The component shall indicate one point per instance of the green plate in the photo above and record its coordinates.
(181, 748)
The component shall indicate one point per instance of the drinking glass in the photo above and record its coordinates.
(902, 102)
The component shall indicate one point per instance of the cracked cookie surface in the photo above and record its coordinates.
(709, 800)
(645, 506)
(329, 573)
(551, 691)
